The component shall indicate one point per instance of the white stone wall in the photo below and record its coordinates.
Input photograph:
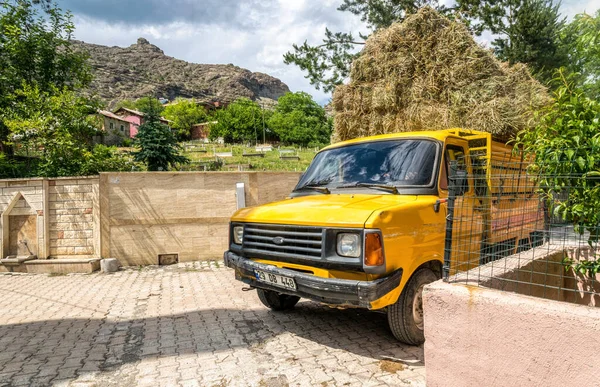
(71, 204)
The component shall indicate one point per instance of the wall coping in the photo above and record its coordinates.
(48, 178)
(200, 172)
(484, 295)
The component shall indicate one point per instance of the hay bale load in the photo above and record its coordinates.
(429, 73)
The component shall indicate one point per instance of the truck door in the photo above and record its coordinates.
(468, 222)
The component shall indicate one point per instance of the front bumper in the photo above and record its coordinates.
(327, 290)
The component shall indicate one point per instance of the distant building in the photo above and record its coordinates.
(135, 118)
(114, 128)
(201, 131)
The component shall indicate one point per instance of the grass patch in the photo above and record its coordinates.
(270, 162)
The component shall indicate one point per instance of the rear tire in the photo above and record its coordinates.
(277, 301)
(405, 317)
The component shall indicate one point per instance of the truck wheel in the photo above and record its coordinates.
(276, 301)
(405, 317)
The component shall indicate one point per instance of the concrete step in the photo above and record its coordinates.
(63, 266)
(15, 264)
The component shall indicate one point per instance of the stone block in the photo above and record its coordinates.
(109, 265)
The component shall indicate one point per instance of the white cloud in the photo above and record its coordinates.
(258, 43)
(260, 48)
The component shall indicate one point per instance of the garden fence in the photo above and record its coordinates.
(522, 227)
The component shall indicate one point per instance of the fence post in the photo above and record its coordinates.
(450, 217)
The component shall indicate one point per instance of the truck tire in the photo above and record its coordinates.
(277, 301)
(405, 317)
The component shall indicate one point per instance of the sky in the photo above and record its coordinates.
(253, 34)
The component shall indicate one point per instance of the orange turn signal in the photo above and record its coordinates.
(373, 250)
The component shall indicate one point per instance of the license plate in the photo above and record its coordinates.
(275, 279)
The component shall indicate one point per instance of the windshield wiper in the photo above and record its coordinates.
(385, 187)
(315, 187)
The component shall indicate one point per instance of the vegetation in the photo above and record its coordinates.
(36, 51)
(528, 33)
(328, 64)
(58, 126)
(298, 119)
(156, 145)
(202, 157)
(580, 40)
(142, 104)
(242, 121)
(184, 114)
(40, 110)
(565, 147)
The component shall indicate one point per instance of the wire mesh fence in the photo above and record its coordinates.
(515, 226)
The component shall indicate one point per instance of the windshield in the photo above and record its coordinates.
(393, 162)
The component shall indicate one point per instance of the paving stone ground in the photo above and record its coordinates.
(186, 325)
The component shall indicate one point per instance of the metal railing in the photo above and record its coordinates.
(507, 229)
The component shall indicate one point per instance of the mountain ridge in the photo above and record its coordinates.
(143, 69)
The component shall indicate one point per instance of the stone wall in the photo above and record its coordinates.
(145, 215)
(19, 198)
(73, 209)
(130, 216)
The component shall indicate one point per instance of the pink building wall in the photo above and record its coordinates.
(134, 123)
(475, 336)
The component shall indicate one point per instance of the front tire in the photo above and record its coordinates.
(405, 317)
(277, 301)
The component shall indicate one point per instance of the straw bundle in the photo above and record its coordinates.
(429, 73)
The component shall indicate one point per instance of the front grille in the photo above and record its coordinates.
(261, 240)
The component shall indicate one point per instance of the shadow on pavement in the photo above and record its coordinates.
(48, 351)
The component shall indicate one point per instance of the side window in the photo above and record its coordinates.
(452, 153)
(112, 126)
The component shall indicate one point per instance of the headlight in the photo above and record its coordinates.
(348, 245)
(238, 235)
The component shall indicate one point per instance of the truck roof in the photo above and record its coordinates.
(435, 134)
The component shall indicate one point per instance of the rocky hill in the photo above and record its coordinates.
(143, 69)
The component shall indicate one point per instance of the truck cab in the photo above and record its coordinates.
(364, 228)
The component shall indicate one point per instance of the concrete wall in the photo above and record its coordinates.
(147, 214)
(485, 337)
(135, 216)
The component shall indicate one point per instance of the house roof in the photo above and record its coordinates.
(132, 111)
(205, 123)
(111, 115)
(137, 113)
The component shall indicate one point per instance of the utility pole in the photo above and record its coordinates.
(262, 107)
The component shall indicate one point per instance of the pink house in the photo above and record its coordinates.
(135, 119)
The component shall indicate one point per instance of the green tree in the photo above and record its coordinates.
(59, 125)
(156, 144)
(328, 64)
(184, 114)
(36, 49)
(141, 104)
(580, 39)
(528, 31)
(565, 148)
(241, 121)
(299, 120)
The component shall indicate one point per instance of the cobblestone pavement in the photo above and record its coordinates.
(188, 324)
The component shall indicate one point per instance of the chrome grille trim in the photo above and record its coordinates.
(300, 242)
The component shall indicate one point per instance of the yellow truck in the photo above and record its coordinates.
(366, 225)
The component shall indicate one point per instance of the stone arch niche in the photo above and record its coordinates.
(20, 229)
